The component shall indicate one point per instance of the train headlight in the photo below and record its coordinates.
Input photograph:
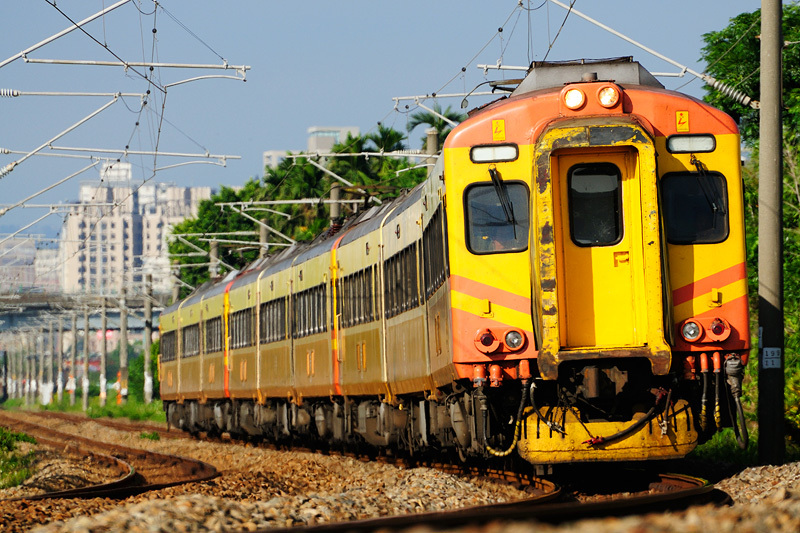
(608, 96)
(574, 98)
(691, 331)
(514, 339)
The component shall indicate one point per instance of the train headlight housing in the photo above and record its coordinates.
(574, 98)
(514, 339)
(691, 331)
(608, 96)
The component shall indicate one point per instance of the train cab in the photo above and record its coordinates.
(601, 243)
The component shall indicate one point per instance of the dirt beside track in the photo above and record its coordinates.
(262, 488)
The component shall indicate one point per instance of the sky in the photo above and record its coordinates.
(311, 63)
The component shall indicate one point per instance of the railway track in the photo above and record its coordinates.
(640, 492)
(669, 492)
(139, 470)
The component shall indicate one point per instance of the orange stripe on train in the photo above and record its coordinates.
(704, 285)
(482, 291)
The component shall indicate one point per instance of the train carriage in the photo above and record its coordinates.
(568, 284)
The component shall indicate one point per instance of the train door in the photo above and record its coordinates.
(599, 250)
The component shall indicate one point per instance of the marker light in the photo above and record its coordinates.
(487, 339)
(574, 98)
(514, 339)
(691, 331)
(718, 326)
(608, 96)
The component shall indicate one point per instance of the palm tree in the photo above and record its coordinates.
(386, 139)
(442, 127)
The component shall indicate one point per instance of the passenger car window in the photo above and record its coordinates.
(489, 228)
(595, 199)
(695, 207)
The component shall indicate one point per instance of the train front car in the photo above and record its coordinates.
(597, 259)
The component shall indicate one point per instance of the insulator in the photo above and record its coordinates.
(9, 93)
(730, 92)
(6, 169)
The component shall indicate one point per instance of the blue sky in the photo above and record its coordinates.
(312, 64)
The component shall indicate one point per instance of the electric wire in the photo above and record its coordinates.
(553, 42)
(52, 3)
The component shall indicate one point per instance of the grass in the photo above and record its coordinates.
(14, 466)
(722, 448)
(134, 409)
(153, 435)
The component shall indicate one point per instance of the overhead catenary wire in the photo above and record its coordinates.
(738, 96)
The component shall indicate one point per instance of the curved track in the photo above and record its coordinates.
(140, 470)
(667, 492)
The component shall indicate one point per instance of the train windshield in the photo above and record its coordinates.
(490, 226)
(695, 207)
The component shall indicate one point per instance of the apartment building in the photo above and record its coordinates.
(117, 231)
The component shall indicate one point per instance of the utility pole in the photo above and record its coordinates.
(40, 349)
(432, 144)
(213, 263)
(336, 208)
(263, 234)
(103, 354)
(72, 359)
(123, 349)
(148, 336)
(28, 373)
(176, 287)
(85, 378)
(60, 359)
(771, 380)
(47, 392)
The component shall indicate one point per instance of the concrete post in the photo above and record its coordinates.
(262, 239)
(40, 357)
(148, 336)
(771, 381)
(60, 361)
(73, 356)
(103, 354)
(123, 348)
(85, 377)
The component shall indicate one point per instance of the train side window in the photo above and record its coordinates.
(168, 347)
(695, 207)
(191, 340)
(491, 226)
(595, 204)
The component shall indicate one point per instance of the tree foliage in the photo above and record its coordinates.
(733, 57)
(295, 178)
(433, 120)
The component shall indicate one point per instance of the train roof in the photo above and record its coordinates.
(555, 74)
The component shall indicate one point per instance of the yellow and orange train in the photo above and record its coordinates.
(568, 284)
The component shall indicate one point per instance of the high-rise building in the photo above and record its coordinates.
(320, 140)
(117, 231)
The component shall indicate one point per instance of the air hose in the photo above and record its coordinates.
(636, 426)
(734, 370)
(517, 426)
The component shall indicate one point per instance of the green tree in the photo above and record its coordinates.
(733, 57)
(435, 121)
(294, 178)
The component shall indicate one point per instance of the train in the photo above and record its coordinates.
(568, 285)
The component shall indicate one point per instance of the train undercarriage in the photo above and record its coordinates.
(594, 412)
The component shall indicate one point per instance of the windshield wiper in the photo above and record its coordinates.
(714, 198)
(502, 194)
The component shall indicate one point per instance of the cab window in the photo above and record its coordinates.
(493, 224)
(695, 207)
